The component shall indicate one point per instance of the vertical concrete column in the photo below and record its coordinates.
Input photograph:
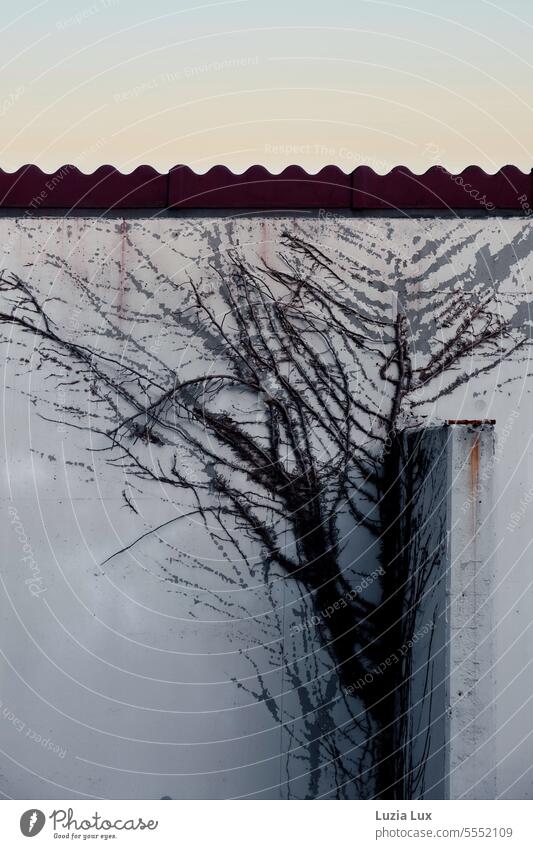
(471, 625)
(448, 541)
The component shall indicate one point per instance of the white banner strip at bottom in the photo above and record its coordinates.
(257, 824)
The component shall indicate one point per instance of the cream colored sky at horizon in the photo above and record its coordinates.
(239, 82)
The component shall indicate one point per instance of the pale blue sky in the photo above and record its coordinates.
(247, 81)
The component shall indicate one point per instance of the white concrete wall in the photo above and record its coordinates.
(146, 696)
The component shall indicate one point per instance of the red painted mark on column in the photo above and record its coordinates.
(474, 482)
(474, 465)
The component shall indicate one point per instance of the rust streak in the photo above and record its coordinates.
(122, 265)
(474, 489)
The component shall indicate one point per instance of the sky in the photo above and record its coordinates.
(245, 81)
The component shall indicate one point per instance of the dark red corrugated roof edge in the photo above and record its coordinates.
(107, 188)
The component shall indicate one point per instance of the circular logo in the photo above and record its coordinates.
(32, 822)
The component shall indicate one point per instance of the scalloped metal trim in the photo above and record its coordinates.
(107, 188)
